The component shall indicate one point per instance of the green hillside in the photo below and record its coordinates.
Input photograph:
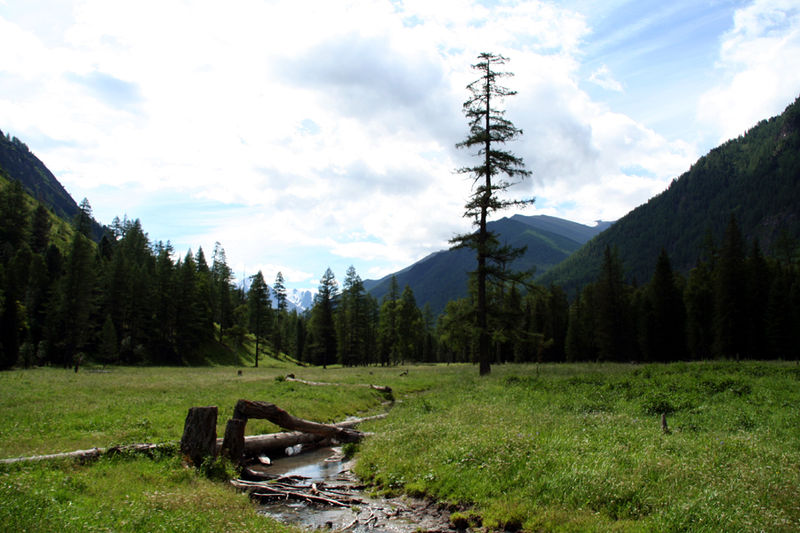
(20, 163)
(442, 276)
(755, 177)
(60, 230)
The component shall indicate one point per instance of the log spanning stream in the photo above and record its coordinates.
(314, 490)
(336, 499)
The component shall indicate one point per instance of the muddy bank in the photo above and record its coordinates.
(325, 473)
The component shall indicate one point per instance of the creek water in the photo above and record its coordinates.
(327, 466)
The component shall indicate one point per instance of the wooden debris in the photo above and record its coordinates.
(264, 410)
(272, 443)
(199, 434)
(233, 443)
(276, 443)
(314, 493)
(90, 454)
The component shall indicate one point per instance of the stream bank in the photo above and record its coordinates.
(326, 471)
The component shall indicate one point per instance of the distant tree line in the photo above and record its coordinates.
(735, 303)
(128, 300)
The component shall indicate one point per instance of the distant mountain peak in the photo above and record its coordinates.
(442, 276)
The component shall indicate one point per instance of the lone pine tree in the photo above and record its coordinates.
(497, 171)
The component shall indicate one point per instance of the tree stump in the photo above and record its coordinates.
(233, 443)
(200, 434)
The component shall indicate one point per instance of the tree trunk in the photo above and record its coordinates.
(264, 410)
(233, 443)
(93, 453)
(253, 445)
(276, 443)
(200, 434)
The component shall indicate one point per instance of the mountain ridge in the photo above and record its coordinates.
(18, 162)
(755, 177)
(442, 275)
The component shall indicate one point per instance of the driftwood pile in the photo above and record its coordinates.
(289, 488)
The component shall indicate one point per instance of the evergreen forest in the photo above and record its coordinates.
(705, 288)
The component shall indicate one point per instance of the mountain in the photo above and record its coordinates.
(566, 228)
(18, 162)
(442, 276)
(299, 300)
(296, 300)
(755, 178)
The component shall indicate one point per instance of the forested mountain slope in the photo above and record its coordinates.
(18, 162)
(442, 276)
(755, 177)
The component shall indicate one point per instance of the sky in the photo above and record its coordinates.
(316, 134)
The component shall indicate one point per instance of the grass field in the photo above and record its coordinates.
(551, 447)
(581, 447)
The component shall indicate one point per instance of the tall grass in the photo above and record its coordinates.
(49, 410)
(551, 447)
(122, 494)
(575, 447)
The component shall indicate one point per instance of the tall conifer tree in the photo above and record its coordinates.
(494, 175)
(323, 328)
(258, 307)
(730, 296)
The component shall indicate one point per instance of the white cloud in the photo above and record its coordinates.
(308, 132)
(760, 66)
(603, 78)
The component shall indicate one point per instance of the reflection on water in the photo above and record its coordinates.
(326, 465)
(318, 465)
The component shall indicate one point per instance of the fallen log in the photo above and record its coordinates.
(253, 445)
(276, 443)
(92, 453)
(264, 410)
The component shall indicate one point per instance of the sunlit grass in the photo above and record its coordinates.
(47, 410)
(550, 447)
(581, 447)
(122, 494)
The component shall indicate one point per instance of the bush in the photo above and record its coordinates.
(218, 469)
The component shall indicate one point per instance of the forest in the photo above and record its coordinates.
(126, 300)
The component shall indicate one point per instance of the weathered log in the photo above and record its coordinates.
(200, 434)
(264, 410)
(92, 453)
(253, 445)
(233, 443)
(276, 443)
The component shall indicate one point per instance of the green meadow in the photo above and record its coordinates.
(530, 447)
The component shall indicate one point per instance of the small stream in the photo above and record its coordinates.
(327, 467)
